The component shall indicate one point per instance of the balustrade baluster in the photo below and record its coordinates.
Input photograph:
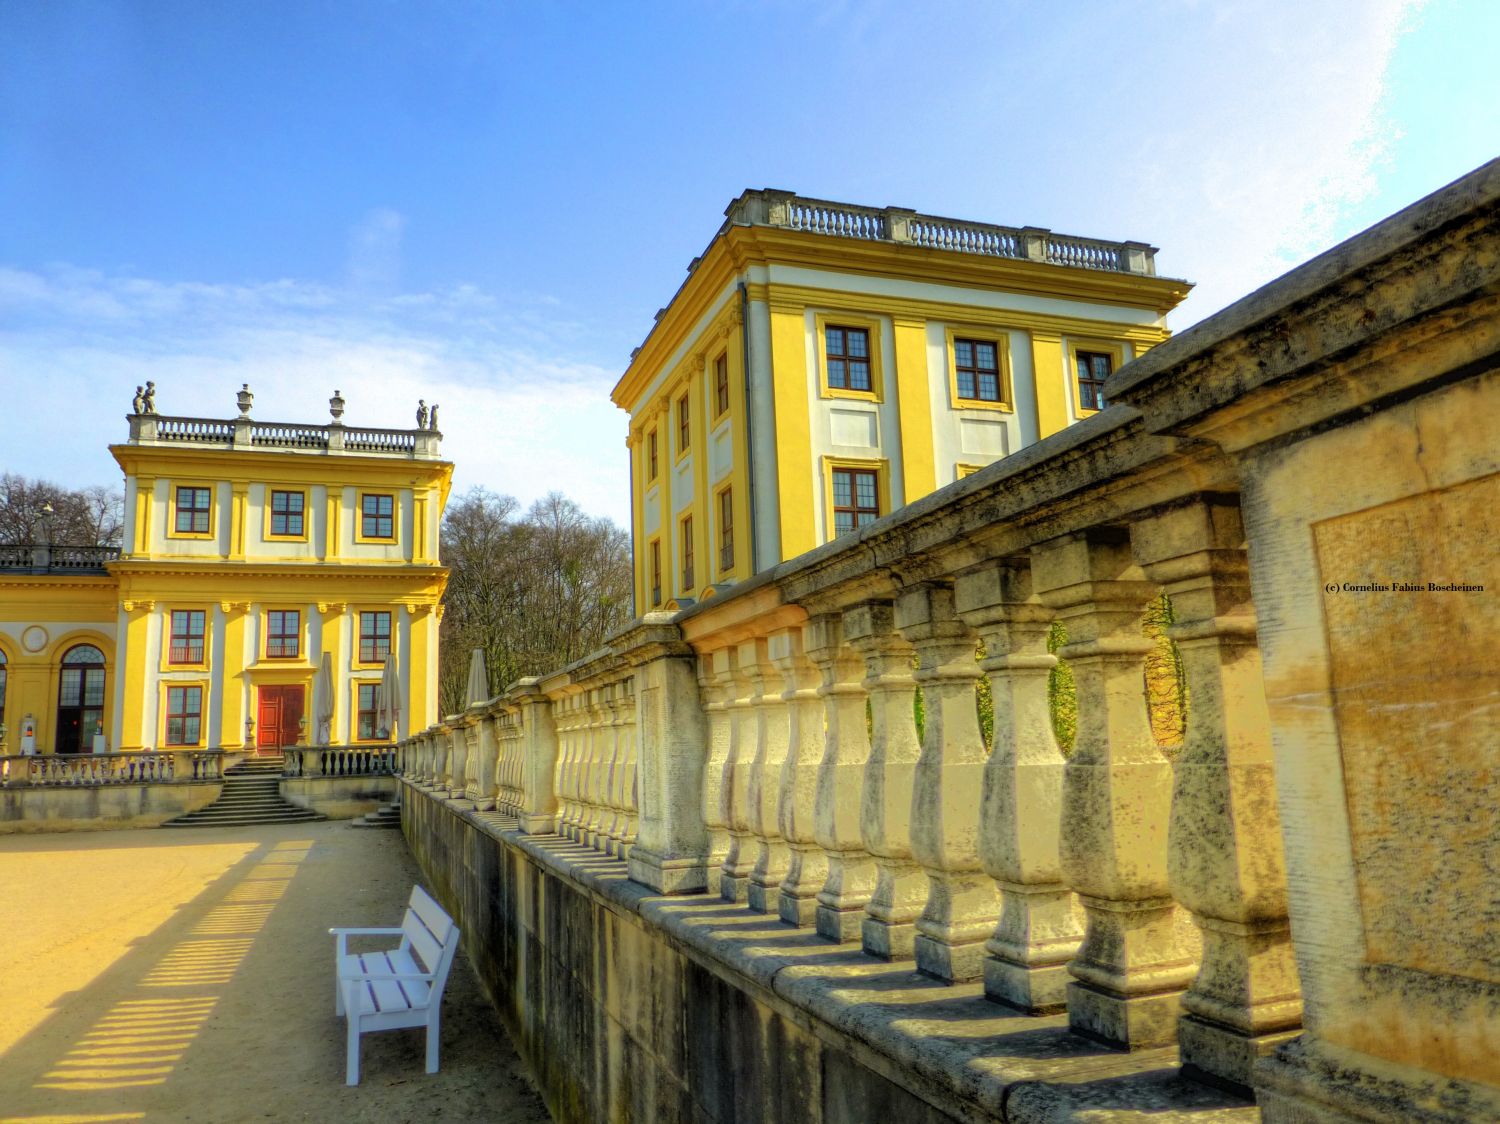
(1225, 861)
(962, 901)
(457, 771)
(1139, 950)
(714, 683)
(627, 788)
(1041, 924)
(888, 929)
(773, 733)
(739, 860)
(807, 863)
(846, 749)
(605, 745)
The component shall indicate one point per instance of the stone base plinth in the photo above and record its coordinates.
(1127, 1022)
(1034, 990)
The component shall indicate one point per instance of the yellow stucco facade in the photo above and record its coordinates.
(817, 370)
(251, 552)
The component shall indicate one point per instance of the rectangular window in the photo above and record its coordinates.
(376, 517)
(726, 530)
(283, 634)
(687, 554)
(286, 513)
(374, 637)
(848, 351)
(684, 424)
(184, 715)
(187, 636)
(721, 384)
(651, 459)
(856, 499)
(976, 366)
(365, 716)
(193, 508)
(1093, 368)
(656, 573)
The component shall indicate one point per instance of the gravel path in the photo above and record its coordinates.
(173, 976)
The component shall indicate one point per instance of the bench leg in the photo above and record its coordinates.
(338, 992)
(351, 1060)
(433, 1036)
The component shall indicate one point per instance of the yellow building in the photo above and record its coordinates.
(254, 553)
(825, 363)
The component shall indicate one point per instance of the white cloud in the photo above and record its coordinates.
(1272, 141)
(516, 416)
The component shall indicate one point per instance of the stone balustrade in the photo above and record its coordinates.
(807, 751)
(339, 761)
(245, 432)
(895, 224)
(57, 770)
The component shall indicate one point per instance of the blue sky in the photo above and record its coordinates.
(483, 204)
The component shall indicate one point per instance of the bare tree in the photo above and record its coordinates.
(92, 516)
(534, 592)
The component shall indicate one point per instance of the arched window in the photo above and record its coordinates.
(80, 698)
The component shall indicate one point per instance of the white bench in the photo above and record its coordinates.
(399, 987)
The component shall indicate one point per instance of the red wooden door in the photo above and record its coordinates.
(278, 711)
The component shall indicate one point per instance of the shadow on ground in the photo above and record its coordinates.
(224, 1010)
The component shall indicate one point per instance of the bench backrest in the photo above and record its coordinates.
(431, 935)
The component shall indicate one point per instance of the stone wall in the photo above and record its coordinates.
(731, 808)
(101, 806)
(633, 1006)
(339, 798)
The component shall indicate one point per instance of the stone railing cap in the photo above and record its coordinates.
(1459, 199)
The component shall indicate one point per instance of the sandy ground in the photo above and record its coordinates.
(171, 976)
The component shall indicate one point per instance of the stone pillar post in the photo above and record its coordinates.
(1139, 950)
(962, 902)
(671, 854)
(772, 739)
(538, 749)
(1041, 923)
(1224, 847)
(888, 929)
(739, 861)
(841, 778)
(807, 865)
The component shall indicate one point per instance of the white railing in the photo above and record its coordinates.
(380, 440)
(195, 430)
(283, 435)
(841, 219)
(1085, 253)
(966, 237)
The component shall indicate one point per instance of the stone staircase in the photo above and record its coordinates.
(251, 795)
(387, 815)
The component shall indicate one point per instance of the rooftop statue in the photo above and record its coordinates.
(421, 413)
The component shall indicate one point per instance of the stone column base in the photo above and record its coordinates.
(1036, 990)
(1127, 1022)
(666, 875)
(888, 940)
